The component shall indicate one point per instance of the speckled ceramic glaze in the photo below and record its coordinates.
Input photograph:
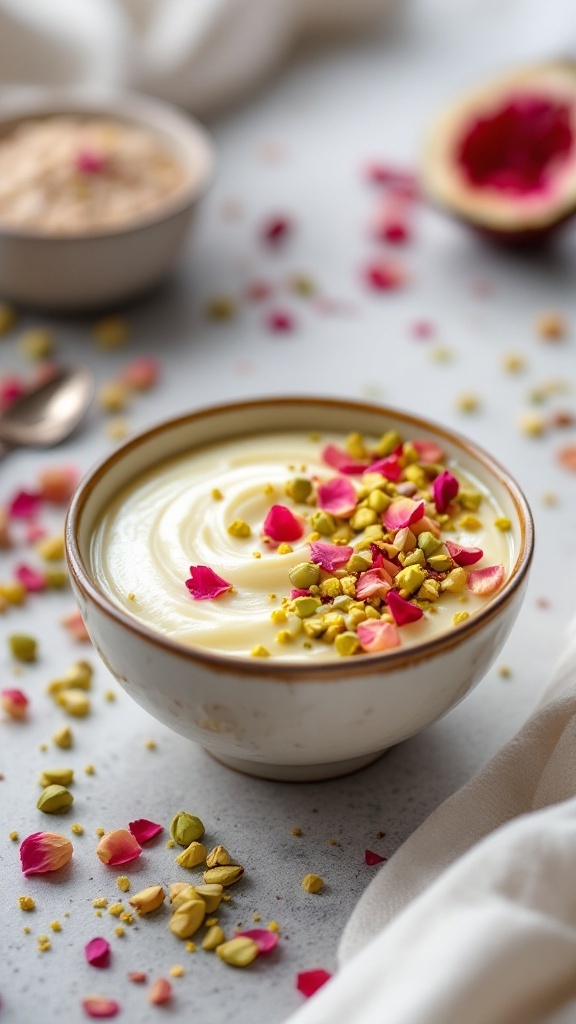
(292, 721)
(98, 269)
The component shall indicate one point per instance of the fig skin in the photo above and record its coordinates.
(496, 215)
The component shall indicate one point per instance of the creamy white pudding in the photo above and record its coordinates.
(179, 514)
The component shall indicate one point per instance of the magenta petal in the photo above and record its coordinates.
(44, 851)
(340, 460)
(338, 497)
(100, 1006)
(264, 939)
(24, 505)
(298, 592)
(88, 161)
(33, 580)
(204, 584)
(282, 525)
(428, 451)
(403, 512)
(330, 556)
(486, 581)
(371, 858)
(144, 830)
(308, 982)
(374, 582)
(97, 952)
(403, 612)
(375, 635)
(464, 556)
(444, 489)
(389, 467)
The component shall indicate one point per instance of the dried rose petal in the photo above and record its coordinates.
(444, 489)
(340, 460)
(486, 581)
(97, 952)
(384, 276)
(100, 1006)
(75, 625)
(58, 483)
(281, 525)
(373, 583)
(371, 858)
(403, 612)
(160, 992)
(424, 524)
(392, 221)
(264, 939)
(389, 467)
(14, 703)
(298, 592)
(423, 329)
(144, 830)
(258, 291)
(277, 229)
(330, 556)
(463, 556)
(308, 982)
(403, 512)
(204, 584)
(142, 373)
(380, 562)
(32, 579)
(566, 456)
(118, 847)
(375, 635)
(280, 321)
(44, 851)
(88, 161)
(11, 389)
(24, 505)
(138, 977)
(338, 497)
(379, 173)
(428, 451)
(34, 532)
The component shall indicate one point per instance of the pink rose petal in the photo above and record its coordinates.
(144, 830)
(44, 851)
(389, 467)
(204, 584)
(14, 703)
(330, 556)
(444, 489)
(375, 635)
(118, 847)
(11, 389)
(34, 532)
(373, 583)
(384, 276)
(403, 612)
(258, 291)
(308, 982)
(380, 562)
(280, 321)
(338, 497)
(428, 451)
(340, 460)
(403, 512)
(24, 505)
(33, 580)
(281, 525)
(464, 556)
(88, 161)
(142, 373)
(276, 230)
(371, 858)
(264, 939)
(75, 625)
(100, 1006)
(425, 524)
(298, 592)
(97, 952)
(486, 581)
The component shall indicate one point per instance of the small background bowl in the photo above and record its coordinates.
(89, 271)
(291, 721)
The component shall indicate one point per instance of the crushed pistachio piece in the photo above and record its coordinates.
(58, 776)
(217, 494)
(147, 900)
(214, 937)
(304, 575)
(55, 800)
(74, 702)
(77, 829)
(260, 652)
(238, 952)
(470, 523)
(188, 919)
(123, 883)
(186, 828)
(26, 903)
(177, 971)
(502, 523)
(51, 549)
(36, 343)
(100, 903)
(284, 549)
(23, 647)
(192, 856)
(467, 402)
(55, 926)
(224, 875)
(532, 424)
(116, 909)
(460, 617)
(63, 738)
(239, 528)
(312, 883)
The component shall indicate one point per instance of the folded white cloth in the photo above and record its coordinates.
(473, 921)
(199, 53)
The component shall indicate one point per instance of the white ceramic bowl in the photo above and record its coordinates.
(291, 721)
(101, 269)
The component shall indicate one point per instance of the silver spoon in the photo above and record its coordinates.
(49, 413)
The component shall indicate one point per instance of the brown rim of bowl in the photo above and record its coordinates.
(236, 664)
(132, 108)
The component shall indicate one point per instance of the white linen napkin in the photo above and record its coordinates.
(201, 54)
(473, 920)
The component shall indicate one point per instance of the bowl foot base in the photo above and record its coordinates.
(296, 772)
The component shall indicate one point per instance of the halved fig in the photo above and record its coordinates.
(503, 157)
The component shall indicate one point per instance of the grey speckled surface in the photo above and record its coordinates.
(330, 110)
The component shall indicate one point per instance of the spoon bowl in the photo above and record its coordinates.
(49, 413)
